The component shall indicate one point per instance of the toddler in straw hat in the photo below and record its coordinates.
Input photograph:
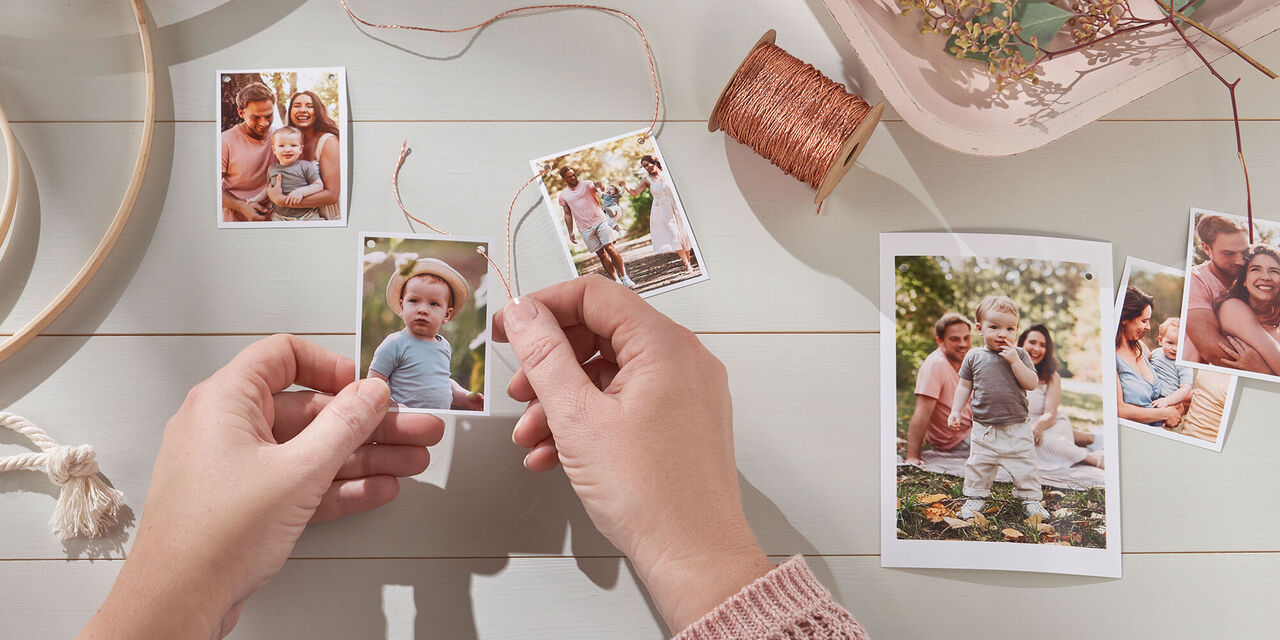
(415, 360)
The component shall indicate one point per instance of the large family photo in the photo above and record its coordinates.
(282, 141)
(999, 428)
(1159, 395)
(1231, 302)
(424, 321)
(617, 213)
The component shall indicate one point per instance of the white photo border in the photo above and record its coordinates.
(343, 141)
(365, 236)
(961, 554)
(556, 223)
(1186, 291)
(1228, 407)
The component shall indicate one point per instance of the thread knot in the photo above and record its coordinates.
(66, 463)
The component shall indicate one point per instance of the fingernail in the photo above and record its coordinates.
(518, 314)
(375, 391)
(526, 459)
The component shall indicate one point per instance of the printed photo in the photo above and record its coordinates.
(618, 214)
(424, 321)
(1231, 298)
(1157, 394)
(282, 148)
(998, 403)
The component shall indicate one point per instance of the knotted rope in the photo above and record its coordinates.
(86, 505)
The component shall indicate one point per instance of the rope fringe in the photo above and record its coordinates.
(86, 505)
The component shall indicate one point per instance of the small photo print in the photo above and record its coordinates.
(282, 148)
(617, 212)
(1159, 395)
(1231, 298)
(424, 321)
(998, 404)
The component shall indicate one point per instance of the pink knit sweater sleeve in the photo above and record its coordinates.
(786, 603)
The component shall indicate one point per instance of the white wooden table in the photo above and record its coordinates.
(476, 546)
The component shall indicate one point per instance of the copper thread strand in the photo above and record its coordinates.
(395, 190)
(790, 113)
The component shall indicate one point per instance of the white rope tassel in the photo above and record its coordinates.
(86, 505)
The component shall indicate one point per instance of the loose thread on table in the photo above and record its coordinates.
(653, 69)
(790, 113)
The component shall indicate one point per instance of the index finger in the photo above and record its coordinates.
(284, 359)
(604, 307)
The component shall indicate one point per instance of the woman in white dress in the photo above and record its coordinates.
(1056, 446)
(666, 226)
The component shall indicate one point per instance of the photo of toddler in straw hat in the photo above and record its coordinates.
(424, 323)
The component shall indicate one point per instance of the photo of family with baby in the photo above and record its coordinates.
(999, 401)
(1231, 315)
(1157, 394)
(425, 320)
(618, 214)
(282, 148)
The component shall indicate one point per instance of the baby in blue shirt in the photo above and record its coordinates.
(415, 360)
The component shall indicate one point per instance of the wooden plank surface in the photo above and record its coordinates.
(477, 547)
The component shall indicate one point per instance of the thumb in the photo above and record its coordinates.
(344, 424)
(547, 358)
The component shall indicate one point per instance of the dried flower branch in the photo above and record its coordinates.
(1012, 37)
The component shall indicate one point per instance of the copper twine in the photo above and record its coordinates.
(790, 113)
(780, 106)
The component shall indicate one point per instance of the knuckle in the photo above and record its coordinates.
(351, 417)
(537, 351)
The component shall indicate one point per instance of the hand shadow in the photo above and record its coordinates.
(433, 540)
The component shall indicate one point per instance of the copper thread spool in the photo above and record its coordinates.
(794, 116)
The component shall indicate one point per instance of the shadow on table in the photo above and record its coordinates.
(434, 543)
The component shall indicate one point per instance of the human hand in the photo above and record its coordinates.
(1037, 436)
(1171, 416)
(572, 238)
(953, 421)
(1010, 354)
(1238, 354)
(474, 402)
(1160, 403)
(658, 479)
(292, 200)
(243, 467)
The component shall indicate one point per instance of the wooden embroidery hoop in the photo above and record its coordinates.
(68, 294)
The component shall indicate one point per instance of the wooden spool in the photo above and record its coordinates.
(849, 150)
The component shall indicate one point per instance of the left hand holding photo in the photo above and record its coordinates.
(243, 467)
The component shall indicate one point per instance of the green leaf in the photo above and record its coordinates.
(1039, 20)
(1180, 5)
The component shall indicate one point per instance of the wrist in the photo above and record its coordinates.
(152, 600)
(688, 579)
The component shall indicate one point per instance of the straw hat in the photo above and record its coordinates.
(432, 266)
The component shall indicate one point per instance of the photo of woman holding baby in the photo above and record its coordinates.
(1137, 387)
(320, 144)
(281, 157)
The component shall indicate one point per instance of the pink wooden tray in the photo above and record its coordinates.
(954, 102)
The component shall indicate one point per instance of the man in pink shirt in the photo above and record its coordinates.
(246, 156)
(582, 207)
(936, 385)
(1225, 241)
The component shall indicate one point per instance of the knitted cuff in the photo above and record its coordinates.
(787, 602)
